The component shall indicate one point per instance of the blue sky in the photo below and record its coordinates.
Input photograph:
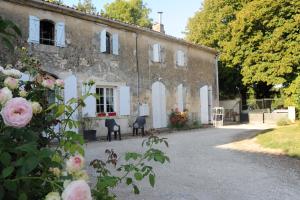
(176, 12)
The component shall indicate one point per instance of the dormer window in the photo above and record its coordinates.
(47, 32)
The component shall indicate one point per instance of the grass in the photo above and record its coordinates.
(285, 138)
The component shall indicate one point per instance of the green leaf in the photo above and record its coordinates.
(7, 171)
(136, 189)
(10, 185)
(60, 110)
(152, 179)
(5, 158)
(22, 196)
(138, 176)
(128, 181)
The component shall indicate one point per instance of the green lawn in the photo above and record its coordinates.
(286, 138)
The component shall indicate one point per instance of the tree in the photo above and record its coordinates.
(8, 32)
(60, 2)
(210, 27)
(129, 11)
(87, 6)
(265, 41)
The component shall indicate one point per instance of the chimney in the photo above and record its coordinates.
(159, 27)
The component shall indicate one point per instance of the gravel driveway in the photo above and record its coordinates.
(199, 170)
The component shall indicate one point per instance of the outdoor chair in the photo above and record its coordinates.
(139, 124)
(112, 126)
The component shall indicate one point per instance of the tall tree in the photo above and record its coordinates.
(129, 11)
(86, 6)
(210, 26)
(264, 42)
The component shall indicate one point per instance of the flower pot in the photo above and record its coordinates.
(89, 135)
(101, 115)
(112, 114)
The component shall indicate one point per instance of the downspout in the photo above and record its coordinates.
(138, 71)
(217, 80)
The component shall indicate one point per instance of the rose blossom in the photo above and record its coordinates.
(59, 82)
(23, 93)
(74, 163)
(53, 196)
(5, 95)
(17, 112)
(77, 190)
(48, 83)
(12, 72)
(11, 83)
(36, 107)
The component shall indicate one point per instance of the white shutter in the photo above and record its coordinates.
(70, 91)
(115, 42)
(34, 30)
(210, 103)
(156, 53)
(90, 102)
(103, 41)
(180, 98)
(124, 100)
(204, 105)
(180, 58)
(60, 34)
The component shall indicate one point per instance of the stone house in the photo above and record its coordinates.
(137, 71)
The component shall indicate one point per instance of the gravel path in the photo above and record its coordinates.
(199, 170)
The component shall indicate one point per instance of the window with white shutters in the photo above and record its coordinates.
(156, 53)
(105, 102)
(180, 58)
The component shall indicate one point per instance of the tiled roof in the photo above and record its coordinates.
(63, 7)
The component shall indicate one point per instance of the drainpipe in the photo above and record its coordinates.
(138, 71)
(217, 79)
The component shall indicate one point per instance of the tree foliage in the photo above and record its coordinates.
(86, 6)
(258, 40)
(265, 42)
(129, 11)
(9, 31)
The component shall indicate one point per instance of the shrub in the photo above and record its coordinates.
(178, 119)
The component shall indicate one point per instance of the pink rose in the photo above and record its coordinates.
(17, 112)
(77, 190)
(48, 83)
(5, 95)
(59, 83)
(75, 163)
(11, 83)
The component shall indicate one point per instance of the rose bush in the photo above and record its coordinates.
(38, 161)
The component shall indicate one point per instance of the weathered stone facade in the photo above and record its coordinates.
(133, 66)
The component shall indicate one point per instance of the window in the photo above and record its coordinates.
(156, 53)
(105, 102)
(108, 43)
(180, 58)
(47, 32)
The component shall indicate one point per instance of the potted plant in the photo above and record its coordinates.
(88, 132)
(102, 114)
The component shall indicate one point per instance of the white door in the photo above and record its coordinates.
(205, 104)
(159, 105)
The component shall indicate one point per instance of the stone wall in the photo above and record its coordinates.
(132, 67)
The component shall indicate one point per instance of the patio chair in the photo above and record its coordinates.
(139, 124)
(112, 126)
